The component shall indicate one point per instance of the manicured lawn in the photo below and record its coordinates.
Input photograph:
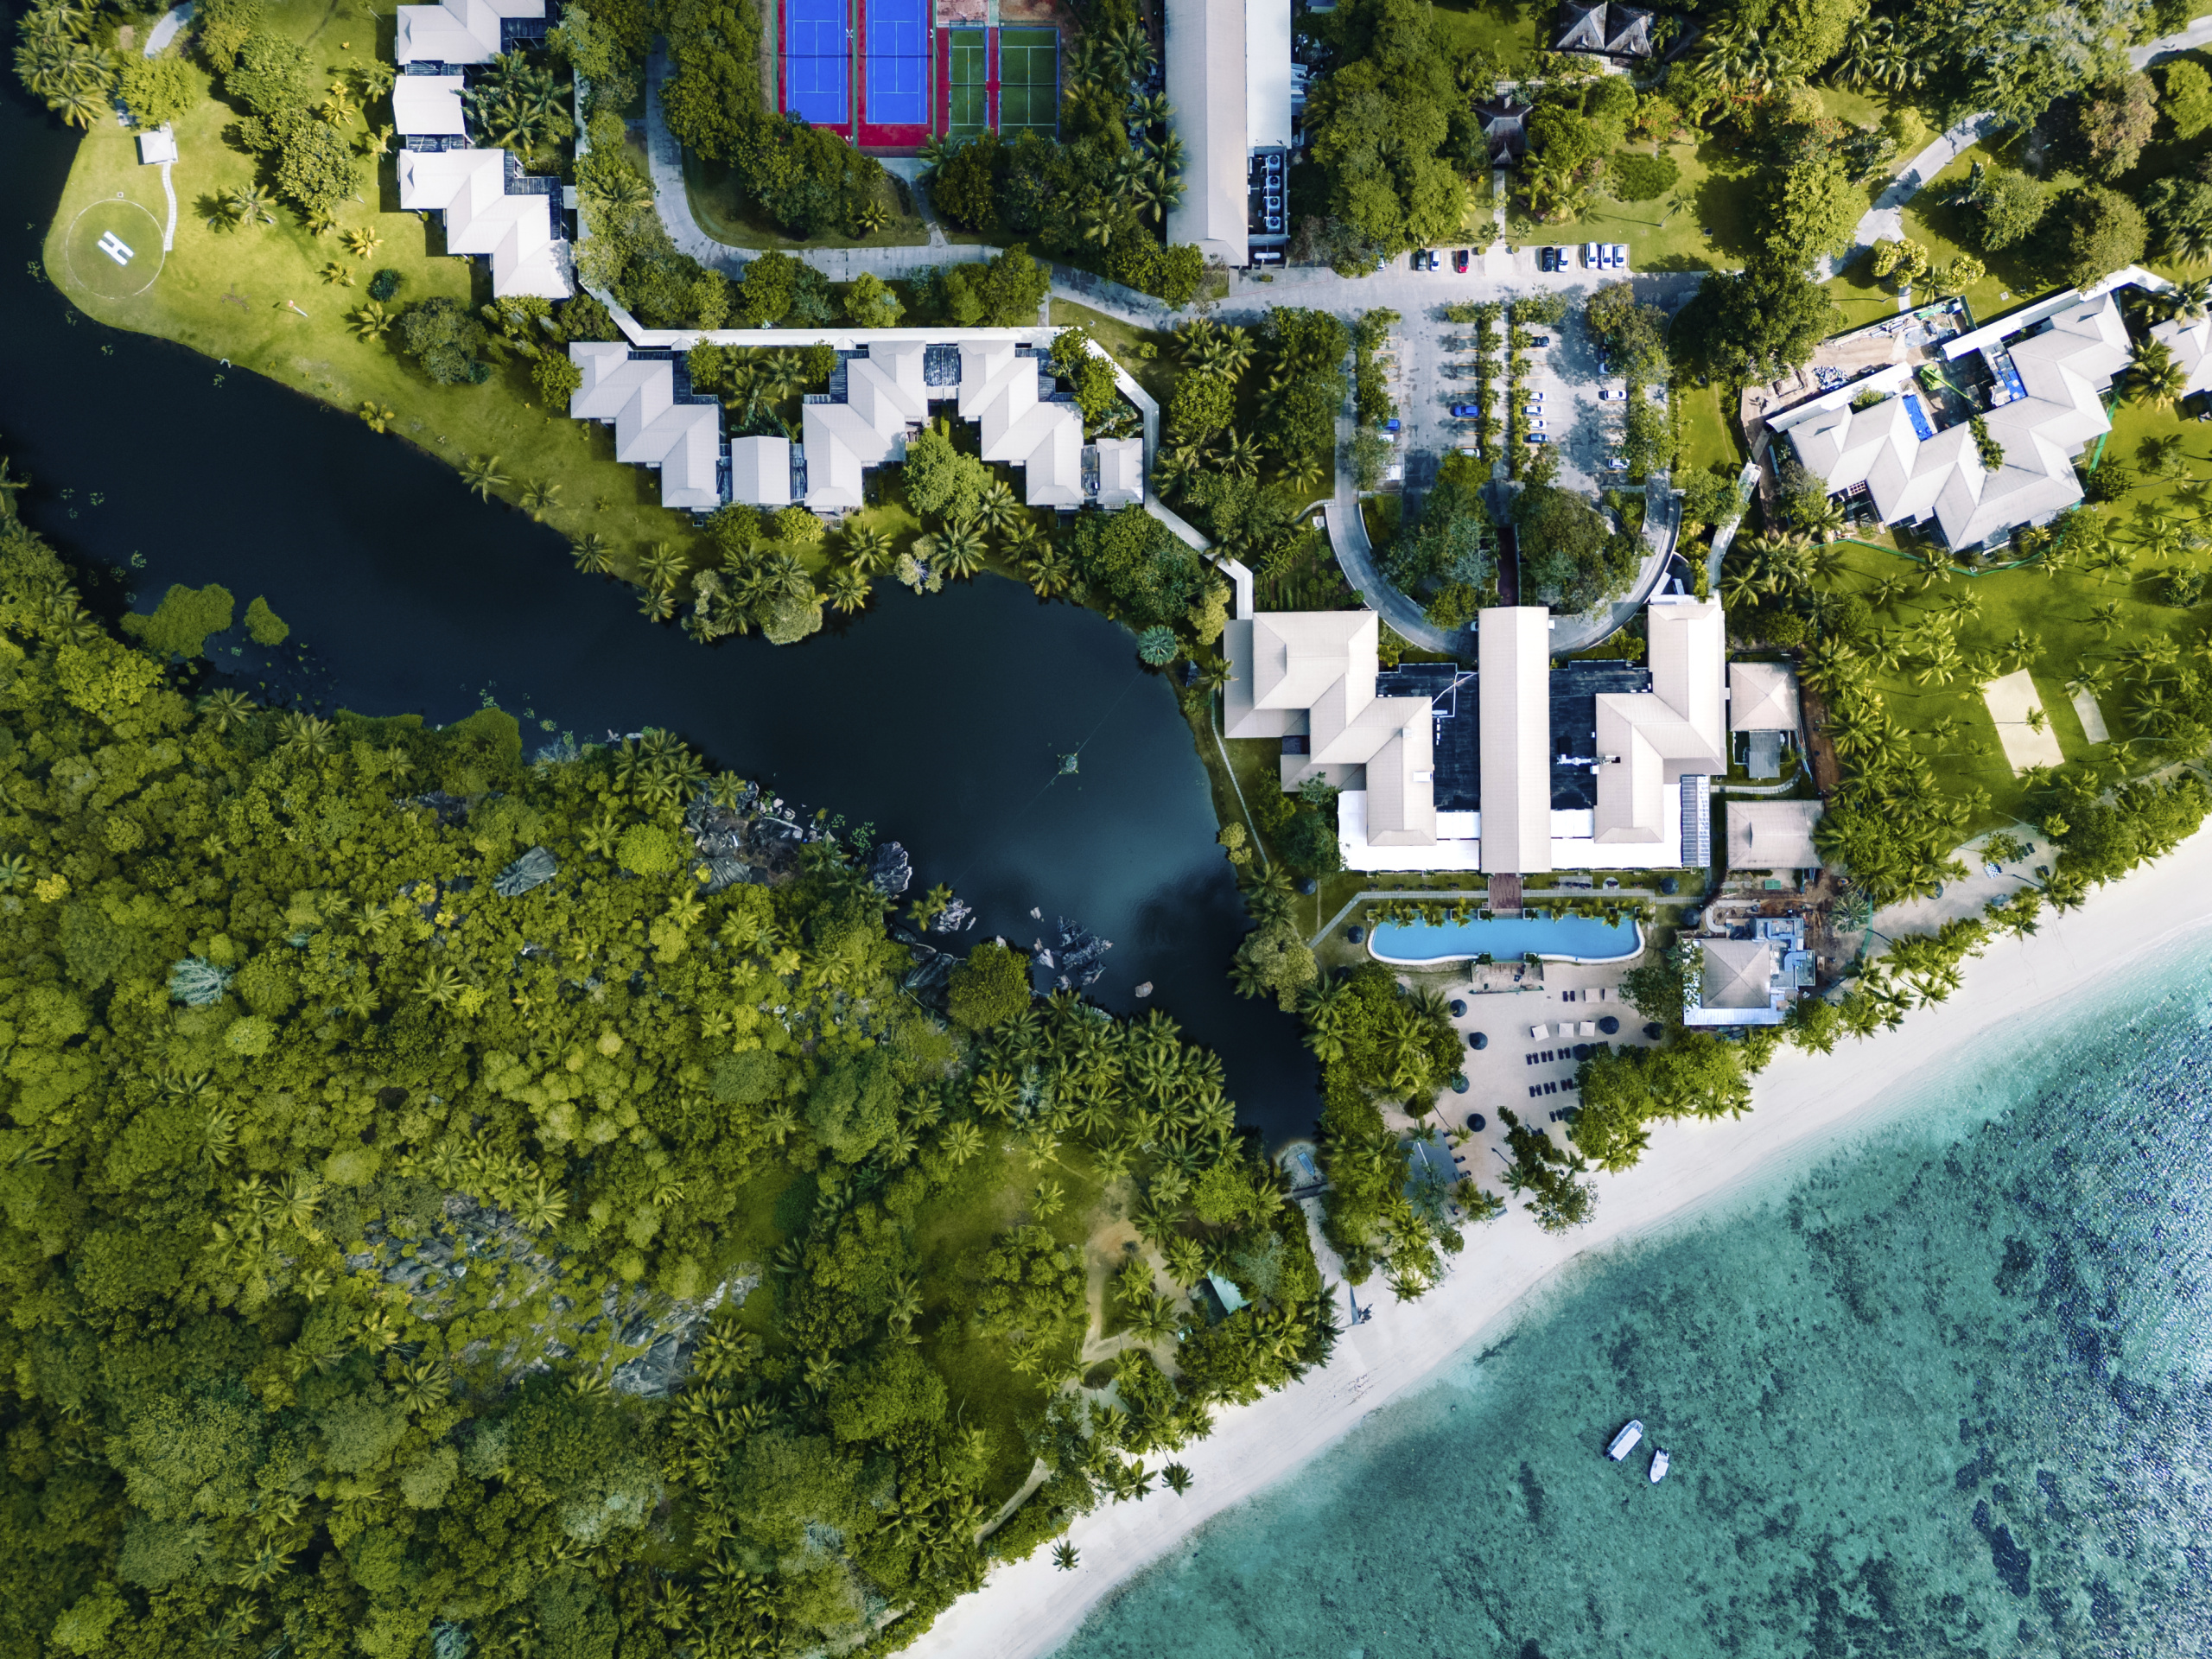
(1710, 433)
(2057, 612)
(711, 188)
(1504, 28)
(1702, 224)
(1156, 372)
(253, 300)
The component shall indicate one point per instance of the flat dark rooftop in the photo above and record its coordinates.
(1451, 690)
(1575, 687)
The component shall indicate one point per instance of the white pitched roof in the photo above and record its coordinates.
(1772, 835)
(1762, 697)
(469, 187)
(884, 396)
(998, 390)
(1648, 739)
(2192, 348)
(427, 106)
(2062, 370)
(1739, 974)
(683, 441)
(460, 31)
(1515, 738)
(1121, 472)
(1206, 88)
(760, 472)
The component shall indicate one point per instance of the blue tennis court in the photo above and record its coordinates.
(818, 61)
(898, 63)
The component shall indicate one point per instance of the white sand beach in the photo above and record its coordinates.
(1803, 1106)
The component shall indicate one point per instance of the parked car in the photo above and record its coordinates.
(1534, 423)
(1459, 260)
(1538, 437)
(1591, 256)
(1606, 393)
(1620, 256)
(1392, 424)
(1541, 340)
(1535, 397)
(1547, 258)
(1467, 410)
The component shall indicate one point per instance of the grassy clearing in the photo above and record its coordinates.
(991, 1194)
(1703, 224)
(255, 299)
(1711, 436)
(1501, 27)
(718, 204)
(1146, 354)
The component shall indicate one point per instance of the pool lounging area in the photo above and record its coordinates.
(1506, 938)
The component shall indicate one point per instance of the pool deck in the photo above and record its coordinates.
(1501, 1076)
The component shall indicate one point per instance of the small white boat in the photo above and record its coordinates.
(1624, 1442)
(1661, 1458)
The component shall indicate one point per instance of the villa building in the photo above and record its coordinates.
(1504, 121)
(1517, 767)
(1763, 711)
(1748, 982)
(1230, 84)
(466, 31)
(516, 221)
(2190, 338)
(1899, 439)
(1775, 836)
(1610, 30)
(656, 422)
(888, 384)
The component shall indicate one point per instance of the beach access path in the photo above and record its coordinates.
(1805, 1107)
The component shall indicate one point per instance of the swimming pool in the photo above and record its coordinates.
(1506, 938)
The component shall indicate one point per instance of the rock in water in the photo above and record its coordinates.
(955, 916)
(533, 869)
(1145, 989)
(891, 870)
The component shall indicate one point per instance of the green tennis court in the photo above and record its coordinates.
(1029, 80)
(969, 103)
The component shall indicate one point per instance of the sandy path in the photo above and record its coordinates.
(1806, 1106)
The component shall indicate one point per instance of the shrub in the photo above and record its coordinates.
(161, 89)
(647, 849)
(444, 336)
(386, 283)
(990, 987)
(263, 625)
(1642, 178)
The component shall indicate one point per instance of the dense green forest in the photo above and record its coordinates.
(455, 1204)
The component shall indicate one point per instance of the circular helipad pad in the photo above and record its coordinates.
(114, 249)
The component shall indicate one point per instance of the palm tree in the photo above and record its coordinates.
(249, 204)
(483, 475)
(960, 549)
(376, 417)
(341, 274)
(1177, 1478)
(591, 555)
(1064, 1556)
(369, 320)
(1152, 110)
(2154, 377)
(378, 141)
(2188, 301)
(363, 242)
(868, 550)
(1049, 573)
(657, 607)
(1242, 456)
(846, 589)
(538, 498)
(664, 566)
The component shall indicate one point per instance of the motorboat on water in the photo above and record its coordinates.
(1661, 1458)
(1624, 1442)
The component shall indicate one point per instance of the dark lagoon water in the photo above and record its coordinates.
(1947, 1395)
(940, 720)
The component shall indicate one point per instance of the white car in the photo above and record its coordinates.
(1535, 423)
(1606, 394)
(1620, 256)
(1616, 463)
(1593, 255)
(1535, 397)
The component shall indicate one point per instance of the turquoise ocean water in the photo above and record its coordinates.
(1944, 1392)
